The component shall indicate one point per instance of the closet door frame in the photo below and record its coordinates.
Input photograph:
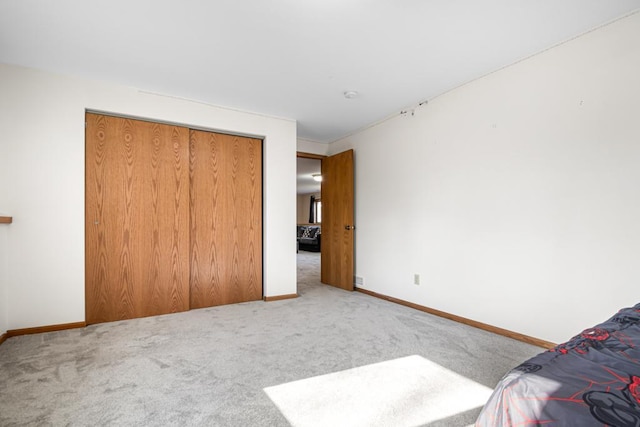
(90, 221)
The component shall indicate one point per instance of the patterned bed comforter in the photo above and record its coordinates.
(591, 380)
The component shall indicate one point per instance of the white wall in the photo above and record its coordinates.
(4, 249)
(312, 147)
(516, 197)
(42, 122)
(4, 254)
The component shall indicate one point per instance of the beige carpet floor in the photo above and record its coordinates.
(327, 355)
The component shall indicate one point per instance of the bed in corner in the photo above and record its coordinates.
(591, 380)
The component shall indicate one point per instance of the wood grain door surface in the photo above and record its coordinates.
(337, 246)
(226, 219)
(137, 218)
(173, 219)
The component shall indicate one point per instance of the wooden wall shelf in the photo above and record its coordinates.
(6, 220)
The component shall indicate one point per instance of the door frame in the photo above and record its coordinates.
(303, 155)
(125, 116)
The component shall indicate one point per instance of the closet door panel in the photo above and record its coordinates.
(226, 219)
(137, 213)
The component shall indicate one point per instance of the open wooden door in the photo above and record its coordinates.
(337, 221)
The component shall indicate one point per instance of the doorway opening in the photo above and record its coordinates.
(308, 221)
(336, 230)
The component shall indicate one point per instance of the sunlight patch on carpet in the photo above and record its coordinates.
(410, 391)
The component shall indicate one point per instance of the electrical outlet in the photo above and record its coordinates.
(416, 279)
(358, 281)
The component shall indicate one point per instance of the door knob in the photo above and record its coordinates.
(349, 227)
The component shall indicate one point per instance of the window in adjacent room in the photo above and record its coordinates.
(318, 211)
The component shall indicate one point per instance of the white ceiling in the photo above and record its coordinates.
(293, 58)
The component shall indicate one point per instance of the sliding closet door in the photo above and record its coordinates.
(137, 218)
(226, 219)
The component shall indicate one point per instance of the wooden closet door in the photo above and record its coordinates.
(226, 219)
(137, 218)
